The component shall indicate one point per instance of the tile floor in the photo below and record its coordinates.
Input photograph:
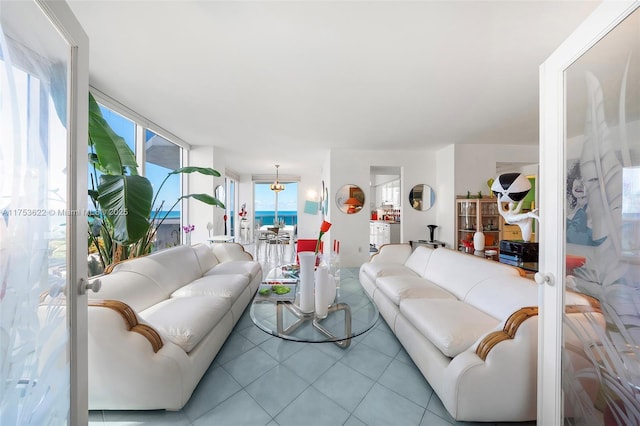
(257, 379)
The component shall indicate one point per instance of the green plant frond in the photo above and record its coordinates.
(112, 152)
(193, 169)
(205, 198)
(126, 204)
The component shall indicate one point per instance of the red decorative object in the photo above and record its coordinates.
(573, 262)
(467, 243)
(324, 227)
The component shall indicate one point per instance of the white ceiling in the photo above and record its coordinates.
(274, 82)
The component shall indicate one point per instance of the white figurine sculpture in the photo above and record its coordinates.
(512, 188)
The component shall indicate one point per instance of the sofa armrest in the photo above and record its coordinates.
(508, 331)
(226, 252)
(131, 321)
(392, 253)
(517, 318)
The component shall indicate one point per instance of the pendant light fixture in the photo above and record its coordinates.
(277, 186)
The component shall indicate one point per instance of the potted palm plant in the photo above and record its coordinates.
(123, 223)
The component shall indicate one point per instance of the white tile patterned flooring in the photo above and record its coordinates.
(257, 379)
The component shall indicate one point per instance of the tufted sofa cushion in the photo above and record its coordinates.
(205, 259)
(247, 267)
(419, 259)
(500, 296)
(444, 269)
(170, 269)
(376, 270)
(228, 286)
(397, 288)
(451, 325)
(131, 287)
(186, 320)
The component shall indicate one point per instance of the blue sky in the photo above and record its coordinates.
(156, 174)
(265, 198)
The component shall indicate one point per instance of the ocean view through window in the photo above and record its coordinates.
(264, 203)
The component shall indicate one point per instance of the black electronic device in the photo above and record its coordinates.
(518, 252)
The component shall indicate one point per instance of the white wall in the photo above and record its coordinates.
(463, 168)
(352, 230)
(475, 164)
(450, 171)
(199, 213)
(445, 195)
(310, 188)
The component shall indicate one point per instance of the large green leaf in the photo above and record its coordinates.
(126, 203)
(205, 198)
(193, 169)
(113, 154)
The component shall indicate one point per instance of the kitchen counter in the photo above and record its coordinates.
(383, 232)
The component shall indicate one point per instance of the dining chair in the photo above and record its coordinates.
(277, 242)
(264, 238)
(307, 245)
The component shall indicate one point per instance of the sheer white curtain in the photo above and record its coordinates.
(34, 370)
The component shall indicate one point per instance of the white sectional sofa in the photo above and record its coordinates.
(158, 322)
(469, 324)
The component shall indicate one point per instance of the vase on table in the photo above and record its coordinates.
(187, 239)
(307, 267)
(325, 291)
(478, 241)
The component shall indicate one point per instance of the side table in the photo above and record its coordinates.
(433, 244)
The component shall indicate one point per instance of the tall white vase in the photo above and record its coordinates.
(322, 291)
(307, 266)
(478, 241)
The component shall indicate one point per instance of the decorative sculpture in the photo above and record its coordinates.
(513, 188)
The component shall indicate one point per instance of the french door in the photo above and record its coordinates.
(43, 226)
(589, 370)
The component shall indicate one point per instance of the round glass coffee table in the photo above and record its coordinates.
(351, 314)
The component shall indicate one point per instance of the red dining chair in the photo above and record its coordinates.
(307, 245)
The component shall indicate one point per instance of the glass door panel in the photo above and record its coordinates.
(42, 229)
(601, 341)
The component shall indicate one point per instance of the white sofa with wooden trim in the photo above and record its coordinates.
(469, 324)
(158, 322)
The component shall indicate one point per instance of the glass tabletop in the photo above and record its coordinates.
(351, 314)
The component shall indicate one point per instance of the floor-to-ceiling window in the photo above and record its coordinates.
(271, 206)
(161, 158)
(157, 157)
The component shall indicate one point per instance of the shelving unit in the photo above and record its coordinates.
(478, 214)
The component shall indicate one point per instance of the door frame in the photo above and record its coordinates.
(552, 164)
(63, 19)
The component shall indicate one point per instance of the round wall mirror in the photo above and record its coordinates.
(219, 193)
(350, 199)
(422, 197)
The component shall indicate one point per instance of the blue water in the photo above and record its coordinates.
(266, 217)
(174, 214)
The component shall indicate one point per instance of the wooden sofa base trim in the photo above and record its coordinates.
(517, 318)
(131, 320)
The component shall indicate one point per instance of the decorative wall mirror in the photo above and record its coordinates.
(350, 199)
(422, 197)
(220, 194)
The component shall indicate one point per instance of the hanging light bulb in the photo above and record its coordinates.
(277, 186)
